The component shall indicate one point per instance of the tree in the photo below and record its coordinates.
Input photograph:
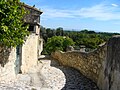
(67, 42)
(59, 31)
(50, 32)
(12, 29)
(58, 43)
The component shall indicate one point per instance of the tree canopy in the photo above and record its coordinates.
(12, 29)
(58, 43)
(89, 38)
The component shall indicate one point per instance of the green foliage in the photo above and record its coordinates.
(89, 39)
(59, 31)
(67, 42)
(58, 43)
(12, 31)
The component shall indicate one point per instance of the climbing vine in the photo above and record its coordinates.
(12, 29)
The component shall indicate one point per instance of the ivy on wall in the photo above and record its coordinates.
(12, 29)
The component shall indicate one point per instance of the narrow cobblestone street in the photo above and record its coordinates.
(76, 81)
(65, 78)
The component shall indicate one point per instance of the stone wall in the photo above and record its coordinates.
(40, 46)
(29, 57)
(109, 77)
(29, 52)
(7, 65)
(101, 65)
(89, 64)
(33, 15)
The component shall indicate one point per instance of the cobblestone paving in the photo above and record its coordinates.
(65, 78)
(76, 81)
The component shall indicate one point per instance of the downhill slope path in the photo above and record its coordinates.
(64, 78)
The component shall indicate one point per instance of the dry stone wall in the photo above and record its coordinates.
(101, 65)
(89, 64)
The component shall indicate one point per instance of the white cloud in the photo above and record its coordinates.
(56, 13)
(98, 12)
(114, 5)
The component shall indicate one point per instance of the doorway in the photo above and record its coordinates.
(18, 61)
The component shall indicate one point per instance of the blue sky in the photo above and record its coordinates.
(98, 15)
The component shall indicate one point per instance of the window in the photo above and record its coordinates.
(31, 28)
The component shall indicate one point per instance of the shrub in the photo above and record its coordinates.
(58, 43)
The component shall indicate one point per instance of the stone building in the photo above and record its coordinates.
(22, 58)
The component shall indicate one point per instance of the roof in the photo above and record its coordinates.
(30, 7)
